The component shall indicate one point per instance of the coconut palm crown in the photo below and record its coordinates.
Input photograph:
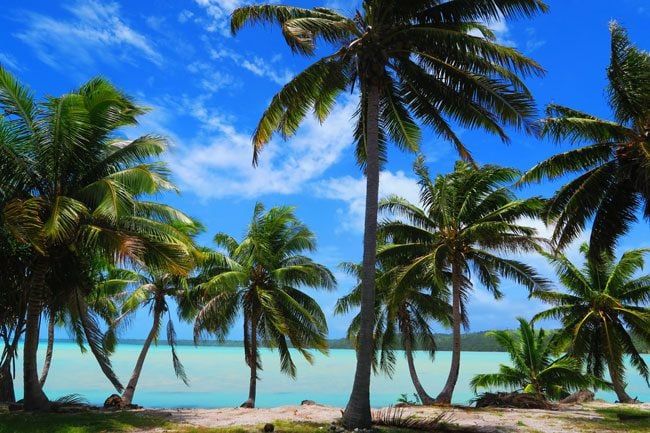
(536, 367)
(613, 183)
(601, 310)
(412, 62)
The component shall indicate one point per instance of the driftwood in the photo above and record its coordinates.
(513, 400)
(581, 396)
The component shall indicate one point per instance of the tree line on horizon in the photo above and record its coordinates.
(85, 244)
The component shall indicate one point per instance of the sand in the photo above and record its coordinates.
(569, 418)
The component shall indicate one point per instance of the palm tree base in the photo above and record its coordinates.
(248, 404)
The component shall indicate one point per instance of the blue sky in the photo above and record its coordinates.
(208, 89)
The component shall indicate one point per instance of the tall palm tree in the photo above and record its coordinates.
(535, 366)
(614, 169)
(465, 222)
(262, 276)
(601, 312)
(410, 61)
(402, 320)
(153, 289)
(75, 192)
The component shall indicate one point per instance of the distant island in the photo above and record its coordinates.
(471, 342)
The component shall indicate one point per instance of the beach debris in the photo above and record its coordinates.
(114, 402)
(269, 428)
(397, 417)
(514, 400)
(581, 396)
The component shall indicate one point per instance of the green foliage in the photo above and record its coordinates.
(262, 277)
(403, 314)
(602, 311)
(74, 191)
(80, 423)
(425, 61)
(534, 368)
(613, 170)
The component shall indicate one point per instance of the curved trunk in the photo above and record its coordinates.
(7, 394)
(447, 392)
(425, 398)
(35, 398)
(252, 356)
(50, 348)
(357, 412)
(129, 391)
(619, 386)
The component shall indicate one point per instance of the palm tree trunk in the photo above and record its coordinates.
(127, 395)
(50, 349)
(35, 398)
(7, 394)
(446, 394)
(425, 398)
(357, 412)
(619, 386)
(252, 357)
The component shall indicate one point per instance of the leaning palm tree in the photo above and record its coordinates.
(76, 192)
(601, 312)
(153, 290)
(465, 222)
(536, 367)
(410, 60)
(403, 316)
(262, 277)
(614, 169)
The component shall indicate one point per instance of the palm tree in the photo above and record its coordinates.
(534, 366)
(75, 192)
(614, 170)
(402, 320)
(602, 312)
(14, 269)
(409, 60)
(262, 276)
(465, 220)
(153, 289)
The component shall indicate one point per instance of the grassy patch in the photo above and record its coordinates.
(79, 422)
(616, 419)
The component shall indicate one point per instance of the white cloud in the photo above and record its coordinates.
(533, 42)
(218, 12)
(221, 165)
(501, 31)
(254, 64)
(94, 32)
(9, 61)
(210, 79)
(184, 16)
(352, 191)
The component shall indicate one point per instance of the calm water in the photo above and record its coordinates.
(219, 377)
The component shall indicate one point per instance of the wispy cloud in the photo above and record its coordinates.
(220, 164)
(94, 32)
(352, 191)
(9, 61)
(533, 41)
(254, 64)
(218, 13)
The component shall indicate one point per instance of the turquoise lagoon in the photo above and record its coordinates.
(219, 377)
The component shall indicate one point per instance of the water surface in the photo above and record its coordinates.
(219, 377)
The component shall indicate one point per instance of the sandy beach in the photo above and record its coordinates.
(583, 418)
